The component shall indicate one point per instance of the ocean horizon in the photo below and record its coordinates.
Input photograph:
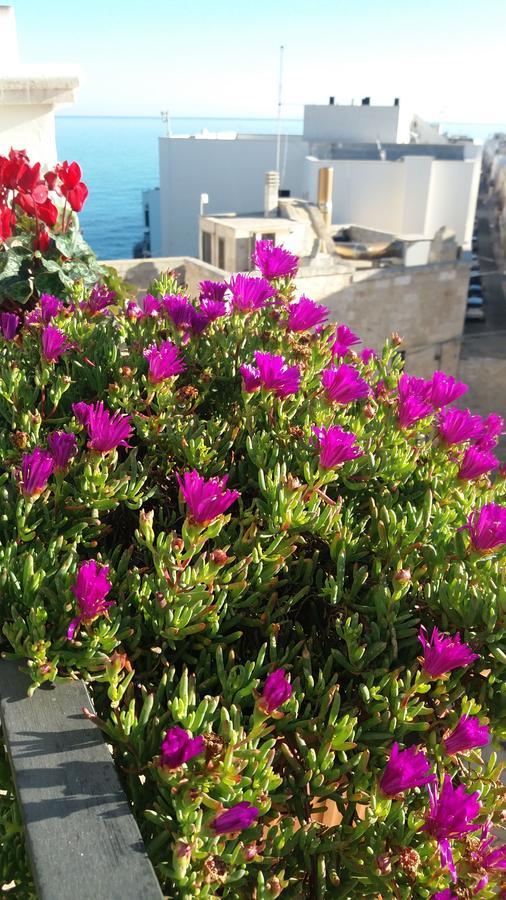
(111, 220)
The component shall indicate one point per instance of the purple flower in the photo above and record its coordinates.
(100, 298)
(413, 400)
(251, 378)
(336, 446)
(36, 468)
(178, 747)
(147, 307)
(54, 343)
(305, 314)
(213, 309)
(90, 590)
(274, 262)
(344, 340)
(9, 324)
(277, 690)
(206, 499)
(50, 307)
(366, 354)
(450, 816)
(179, 309)
(447, 894)
(343, 384)
(442, 654)
(487, 527)
(467, 735)
(250, 293)
(237, 818)
(82, 411)
(476, 462)
(492, 428)
(405, 769)
(62, 447)
(164, 361)
(272, 374)
(455, 426)
(486, 859)
(106, 430)
(444, 389)
(213, 290)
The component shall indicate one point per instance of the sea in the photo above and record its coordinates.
(119, 159)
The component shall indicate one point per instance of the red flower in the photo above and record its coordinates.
(72, 188)
(42, 240)
(51, 178)
(13, 168)
(77, 196)
(46, 211)
(7, 220)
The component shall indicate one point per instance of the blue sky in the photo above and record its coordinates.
(443, 58)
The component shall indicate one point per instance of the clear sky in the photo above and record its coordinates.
(445, 59)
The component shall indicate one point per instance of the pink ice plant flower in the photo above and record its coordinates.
(164, 361)
(456, 426)
(90, 590)
(82, 411)
(180, 310)
(487, 527)
(106, 430)
(213, 309)
(277, 690)
(486, 858)
(450, 817)
(442, 654)
(250, 293)
(237, 818)
(274, 262)
(344, 340)
(62, 447)
(213, 290)
(272, 374)
(48, 308)
(147, 307)
(447, 894)
(206, 499)
(467, 735)
(99, 300)
(305, 314)
(54, 343)
(343, 384)
(336, 446)
(444, 389)
(405, 769)
(9, 324)
(413, 400)
(476, 462)
(178, 748)
(36, 469)
(367, 354)
(493, 427)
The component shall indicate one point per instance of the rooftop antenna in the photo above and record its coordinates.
(280, 101)
(165, 114)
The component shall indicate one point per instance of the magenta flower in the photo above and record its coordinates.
(178, 747)
(487, 527)
(179, 309)
(305, 314)
(476, 462)
(100, 298)
(405, 769)
(344, 341)
(250, 293)
(442, 654)
(147, 307)
(62, 447)
(164, 361)
(213, 290)
(444, 389)
(272, 374)
(492, 428)
(237, 818)
(250, 377)
(107, 431)
(343, 384)
(9, 324)
(336, 446)
(206, 499)
(50, 307)
(487, 859)
(467, 735)
(455, 426)
(274, 262)
(90, 590)
(54, 343)
(450, 816)
(413, 400)
(213, 309)
(82, 411)
(277, 690)
(447, 894)
(36, 468)
(366, 354)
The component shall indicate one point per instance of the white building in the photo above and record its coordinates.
(384, 176)
(29, 96)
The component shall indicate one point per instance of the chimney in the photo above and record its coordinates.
(366, 101)
(396, 101)
(325, 183)
(332, 101)
(9, 55)
(271, 194)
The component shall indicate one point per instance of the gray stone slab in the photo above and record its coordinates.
(82, 839)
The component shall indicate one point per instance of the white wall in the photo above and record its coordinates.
(351, 123)
(450, 199)
(231, 172)
(30, 128)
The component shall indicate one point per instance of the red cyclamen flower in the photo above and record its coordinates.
(250, 293)
(206, 499)
(476, 462)
(72, 188)
(487, 527)
(106, 430)
(90, 590)
(343, 384)
(277, 690)
(405, 769)
(54, 343)
(164, 361)
(237, 818)
(305, 314)
(178, 747)
(467, 735)
(344, 340)
(274, 262)
(442, 654)
(455, 426)
(336, 446)
(451, 814)
(9, 324)
(36, 468)
(62, 447)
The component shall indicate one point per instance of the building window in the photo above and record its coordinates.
(269, 237)
(206, 247)
(221, 253)
(146, 216)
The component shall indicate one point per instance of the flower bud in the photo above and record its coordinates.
(403, 576)
(397, 340)
(219, 557)
(384, 863)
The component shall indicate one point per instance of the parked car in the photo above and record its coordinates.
(473, 290)
(475, 281)
(475, 301)
(475, 314)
